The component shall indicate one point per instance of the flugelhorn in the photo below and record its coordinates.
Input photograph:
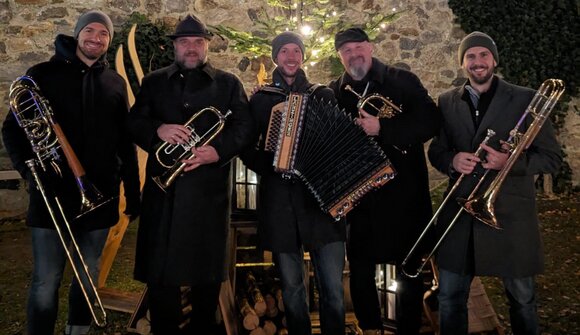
(482, 206)
(34, 115)
(170, 156)
(384, 107)
(542, 104)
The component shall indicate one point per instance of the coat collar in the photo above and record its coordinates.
(300, 83)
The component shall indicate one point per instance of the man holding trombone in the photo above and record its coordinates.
(510, 245)
(88, 100)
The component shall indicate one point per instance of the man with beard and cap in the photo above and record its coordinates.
(88, 100)
(514, 252)
(387, 222)
(290, 221)
(182, 236)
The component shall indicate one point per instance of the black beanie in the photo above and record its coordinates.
(477, 39)
(94, 16)
(284, 38)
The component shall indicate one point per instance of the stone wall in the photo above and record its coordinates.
(424, 40)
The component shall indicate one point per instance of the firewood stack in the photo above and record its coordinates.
(260, 305)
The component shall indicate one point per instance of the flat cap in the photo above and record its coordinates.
(349, 35)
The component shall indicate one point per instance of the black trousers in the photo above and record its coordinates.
(166, 309)
(365, 299)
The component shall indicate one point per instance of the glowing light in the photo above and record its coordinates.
(394, 9)
(383, 25)
(321, 39)
(306, 30)
(393, 286)
(312, 63)
(315, 52)
(334, 13)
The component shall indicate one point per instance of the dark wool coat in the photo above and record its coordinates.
(182, 233)
(90, 104)
(386, 223)
(288, 216)
(516, 249)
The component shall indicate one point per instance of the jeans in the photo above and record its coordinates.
(454, 292)
(365, 299)
(328, 263)
(49, 263)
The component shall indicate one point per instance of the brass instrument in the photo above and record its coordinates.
(482, 206)
(414, 262)
(34, 115)
(170, 156)
(386, 109)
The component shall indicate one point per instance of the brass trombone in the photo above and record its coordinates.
(387, 109)
(482, 206)
(415, 256)
(170, 156)
(34, 115)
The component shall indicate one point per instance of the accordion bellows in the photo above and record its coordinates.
(320, 144)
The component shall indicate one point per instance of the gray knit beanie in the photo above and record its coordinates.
(94, 16)
(284, 38)
(477, 39)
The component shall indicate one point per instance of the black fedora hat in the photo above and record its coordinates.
(191, 26)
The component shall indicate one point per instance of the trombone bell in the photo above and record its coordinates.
(482, 209)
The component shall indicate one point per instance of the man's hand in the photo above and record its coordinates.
(369, 123)
(495, 160)
(465, 162)
(173, 133)
(201, 156)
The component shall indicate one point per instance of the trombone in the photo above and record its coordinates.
(482, 206)
(34, 115)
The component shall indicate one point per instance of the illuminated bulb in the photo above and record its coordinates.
(394, 9)
(315, 52)
(306, 30)
(321, 39)
(383, 25)
(333, 13)
(312, 63)
(393, 287)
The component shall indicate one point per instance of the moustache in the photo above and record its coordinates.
(355, 59)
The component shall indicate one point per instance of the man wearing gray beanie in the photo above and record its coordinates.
(88, 100)
(485, 103)
(291, 221)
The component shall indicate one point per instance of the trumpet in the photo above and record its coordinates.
(482, 206)
(34, 115)
(170, 156)
(386, 109)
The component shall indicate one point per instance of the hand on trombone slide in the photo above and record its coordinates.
(495, 160)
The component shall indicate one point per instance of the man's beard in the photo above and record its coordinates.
(189, 65)
(90, 55)
(357, 71)
(480, 80)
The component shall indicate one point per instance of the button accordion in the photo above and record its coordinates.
(318, 143)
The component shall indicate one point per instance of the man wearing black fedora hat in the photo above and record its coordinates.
(182, 235)
(387, 222)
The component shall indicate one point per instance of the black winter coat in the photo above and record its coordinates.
(90, 104)
(515, 250)
(386, 223)
(289, 217)
(182, 233)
